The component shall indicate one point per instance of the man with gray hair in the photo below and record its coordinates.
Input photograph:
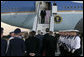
(40, 37)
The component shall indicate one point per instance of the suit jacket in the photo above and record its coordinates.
(16, 47)
(43, 13)
(32, 45)
(3, 47)
(40, 37)
(49, 42)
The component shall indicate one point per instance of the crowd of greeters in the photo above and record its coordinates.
(32, 44)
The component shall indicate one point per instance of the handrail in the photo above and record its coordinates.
(35, 23)
(52, 23)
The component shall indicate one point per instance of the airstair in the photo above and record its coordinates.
(49, 22)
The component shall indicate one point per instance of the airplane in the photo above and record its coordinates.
(61, 15)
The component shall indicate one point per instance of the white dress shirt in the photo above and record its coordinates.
(75, 43)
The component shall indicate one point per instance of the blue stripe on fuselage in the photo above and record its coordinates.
(68, 5)
(21, 6)
(17, 6)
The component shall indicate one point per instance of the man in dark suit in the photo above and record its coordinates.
(43, 14)
(3, 44)
(56, 39)
(49, 44)
(32, 45)
(45, 43)
(40, 37)
(16, 45)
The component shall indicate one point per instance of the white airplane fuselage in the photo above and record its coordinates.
(71, 14)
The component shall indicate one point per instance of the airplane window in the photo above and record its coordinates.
(78, 6)
(71, 6)
(68, 7)
(74, 6)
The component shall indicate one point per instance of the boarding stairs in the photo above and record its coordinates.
(49, 21)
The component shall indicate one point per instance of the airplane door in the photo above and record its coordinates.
(47, 7)
(44, 6)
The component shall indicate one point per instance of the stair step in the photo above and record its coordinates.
(42, 27)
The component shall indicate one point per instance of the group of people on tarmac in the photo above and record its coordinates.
(69, 43)
(40, 45)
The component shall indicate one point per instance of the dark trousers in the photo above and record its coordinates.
(42, 19)
(77, 52)
(50, 53)
(62, 51)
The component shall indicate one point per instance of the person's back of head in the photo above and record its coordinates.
(30, 34)
(17, 31)
(11, 34)
(33, 33)
(2, 32)
(47, 29)
(39, 32)
(57, 35)
(26, 35)
(51, 33)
